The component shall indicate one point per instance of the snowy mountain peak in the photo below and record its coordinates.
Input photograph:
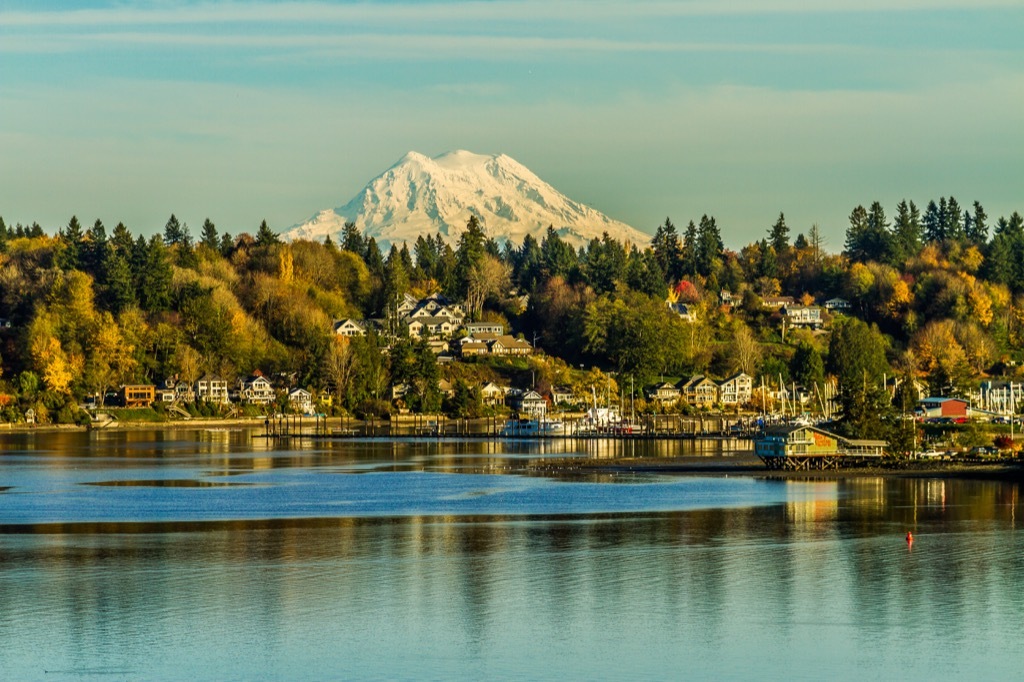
(420, 195)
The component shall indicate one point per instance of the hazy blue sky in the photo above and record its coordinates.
(241, 111)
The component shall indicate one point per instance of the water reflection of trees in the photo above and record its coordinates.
(706, 576)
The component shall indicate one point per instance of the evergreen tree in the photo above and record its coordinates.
(954, 220)
(227, 245)
(352, 239)
(396, 281)
(173, 234)
(119, 292)
(857, 235)
(210, 239)
(709, 247)
(906, 233)
(404, 254)
(877, 245)
(373, 258)
(778, 235)
(4, 236)
(265, 236)
(978, 232)
(426, 257)
(668, 250)
(471, 251)
(71, 240)
(154, 292)
(527, 264)
(95, 252)
(558, 257)
(807, 367)
(857, 359)
(934, 224)
(185, 255)
(768, 264)
(122, 240)
(688, 258)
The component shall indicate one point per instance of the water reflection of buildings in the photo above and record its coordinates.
(811, 503)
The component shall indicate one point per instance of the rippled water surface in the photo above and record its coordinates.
(212, 555)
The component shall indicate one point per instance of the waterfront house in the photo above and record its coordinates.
(810, 447)
(664, 392)
(527, 403)
(256, 390)
(399, 391)
(445, 387)
(493, 394)
(561, 395)
(301, 401)
(212, 389)
(737, 389)
(700, 391)
(137, 395)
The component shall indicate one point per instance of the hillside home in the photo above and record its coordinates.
(349, 327)
(528, 403)
(561, 395)
(776, 302)
(256, 390)
(685, 311)
(137, 395)
(663, 393)
(803, 315)
(699, 391)
(473, 328)
(212, 389)
(837, 304)
(300, 400)
(493, 394)
(736, 389)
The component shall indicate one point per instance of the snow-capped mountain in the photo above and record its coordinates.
(423, 195)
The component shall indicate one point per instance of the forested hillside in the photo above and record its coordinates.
(936, 295)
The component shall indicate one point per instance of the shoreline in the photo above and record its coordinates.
(740, 464)
(750, 466)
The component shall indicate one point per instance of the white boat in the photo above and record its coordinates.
(523, 427)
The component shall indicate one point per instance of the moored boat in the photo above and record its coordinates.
(524, 427)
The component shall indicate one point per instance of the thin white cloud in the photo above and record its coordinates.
(534, 10)
(435, 44)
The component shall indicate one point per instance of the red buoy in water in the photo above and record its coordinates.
(910, 537)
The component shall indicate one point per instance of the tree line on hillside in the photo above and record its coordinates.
(933, 297)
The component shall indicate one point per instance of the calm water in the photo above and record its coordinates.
(208, 555)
